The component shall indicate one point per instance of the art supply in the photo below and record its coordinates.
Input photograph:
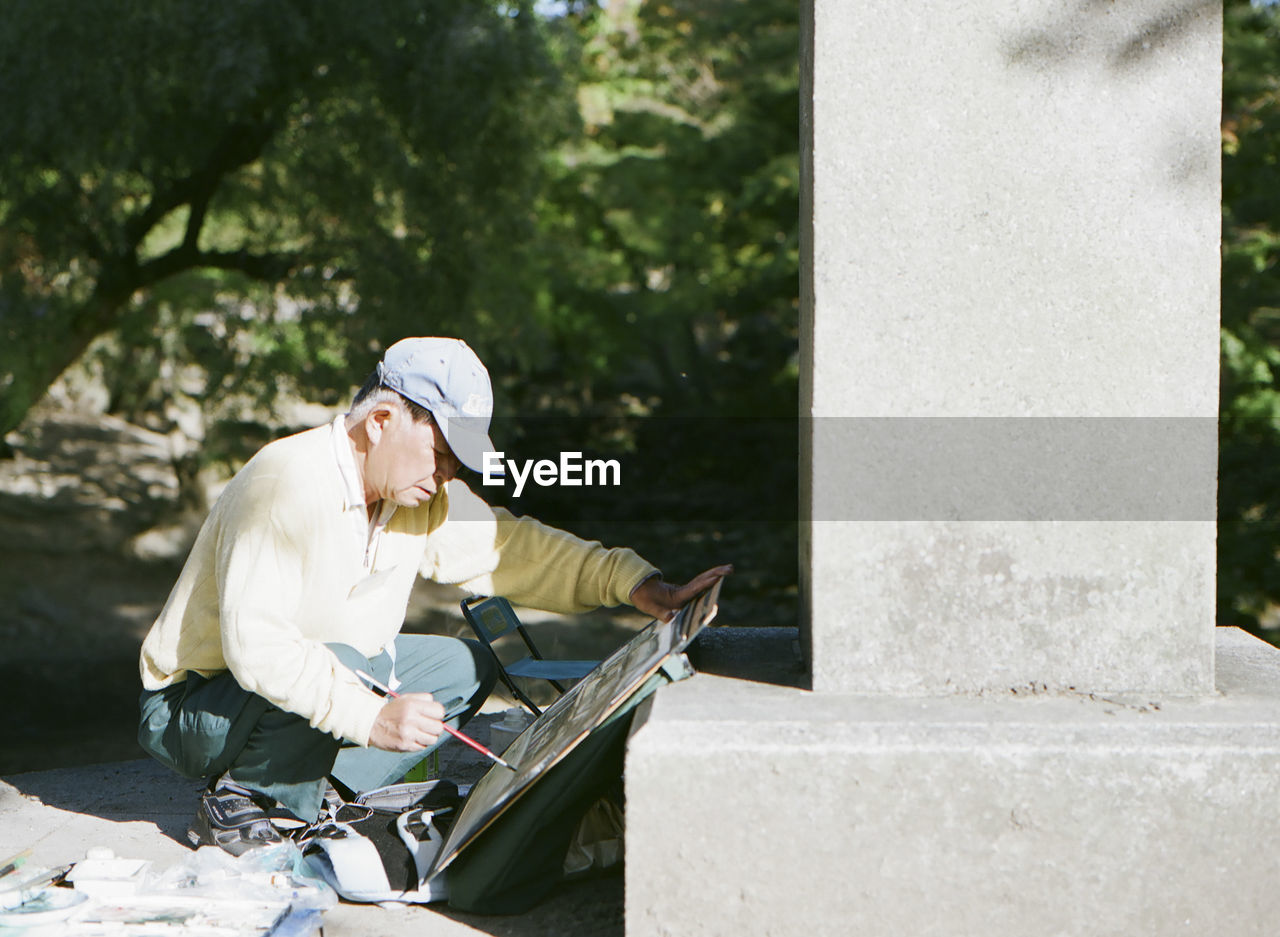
(506, 730)
(14, 863)
(109, 878)
(464, 739)
(48, 877)
(39, 905)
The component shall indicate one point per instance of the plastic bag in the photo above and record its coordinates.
(598, 844)
(275, 874)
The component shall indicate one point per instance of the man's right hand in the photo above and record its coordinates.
(408, 723)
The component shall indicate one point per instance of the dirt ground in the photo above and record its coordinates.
(91, 539)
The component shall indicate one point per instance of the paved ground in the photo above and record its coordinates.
(141, 810)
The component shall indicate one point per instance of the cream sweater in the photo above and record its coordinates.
(279, 569)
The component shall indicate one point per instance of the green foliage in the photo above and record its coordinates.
(309, 185)
(1249, 475)
(669, 227)
(292, 178)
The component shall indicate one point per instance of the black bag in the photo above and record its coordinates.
(515, 863)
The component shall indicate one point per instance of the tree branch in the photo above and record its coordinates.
(241, 144)
(195, 221)
(270, 268)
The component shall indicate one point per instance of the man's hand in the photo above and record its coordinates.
(662, 599)
(408, 723)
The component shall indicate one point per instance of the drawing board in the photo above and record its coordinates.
(571, 719)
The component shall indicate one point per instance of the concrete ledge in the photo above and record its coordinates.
(755, 809)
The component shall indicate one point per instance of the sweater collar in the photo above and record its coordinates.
(352, 486)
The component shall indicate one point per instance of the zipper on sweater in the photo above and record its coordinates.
(377, 524)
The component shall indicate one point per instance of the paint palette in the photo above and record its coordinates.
(21, 907)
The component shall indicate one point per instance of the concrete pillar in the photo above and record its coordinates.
(1010, 345)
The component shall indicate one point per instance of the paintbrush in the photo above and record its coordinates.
(14, 863)
(464, 739)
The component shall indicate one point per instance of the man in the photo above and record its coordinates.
(301, 576)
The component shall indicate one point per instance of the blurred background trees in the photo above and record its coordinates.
(256, 192)
(216, 211)
(1249, 440)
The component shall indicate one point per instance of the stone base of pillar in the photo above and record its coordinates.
(764, 809)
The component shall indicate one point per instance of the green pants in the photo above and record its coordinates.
(203, 728)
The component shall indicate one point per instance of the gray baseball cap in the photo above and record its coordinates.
(445, 376)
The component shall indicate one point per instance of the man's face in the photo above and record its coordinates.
(408, 461)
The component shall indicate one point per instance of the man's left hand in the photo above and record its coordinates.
(663, 599)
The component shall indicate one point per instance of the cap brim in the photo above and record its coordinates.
(469, 443)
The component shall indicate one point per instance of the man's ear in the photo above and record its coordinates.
(376, 422)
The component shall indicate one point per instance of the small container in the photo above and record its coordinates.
(428, 769)
(503, 732)
(108, 877)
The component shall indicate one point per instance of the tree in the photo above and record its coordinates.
(1249, 475)
(263, 185)
(669, 227)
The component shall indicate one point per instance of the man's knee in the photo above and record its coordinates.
(448, 667)
(350, 657)
(470, 662)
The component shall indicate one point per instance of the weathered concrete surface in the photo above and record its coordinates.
(1010, 212)
(756, 809)
(925, 607)
(141, 810)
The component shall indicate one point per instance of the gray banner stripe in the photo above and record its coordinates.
(1014, 469)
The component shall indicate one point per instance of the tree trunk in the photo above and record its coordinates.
(30, 367)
